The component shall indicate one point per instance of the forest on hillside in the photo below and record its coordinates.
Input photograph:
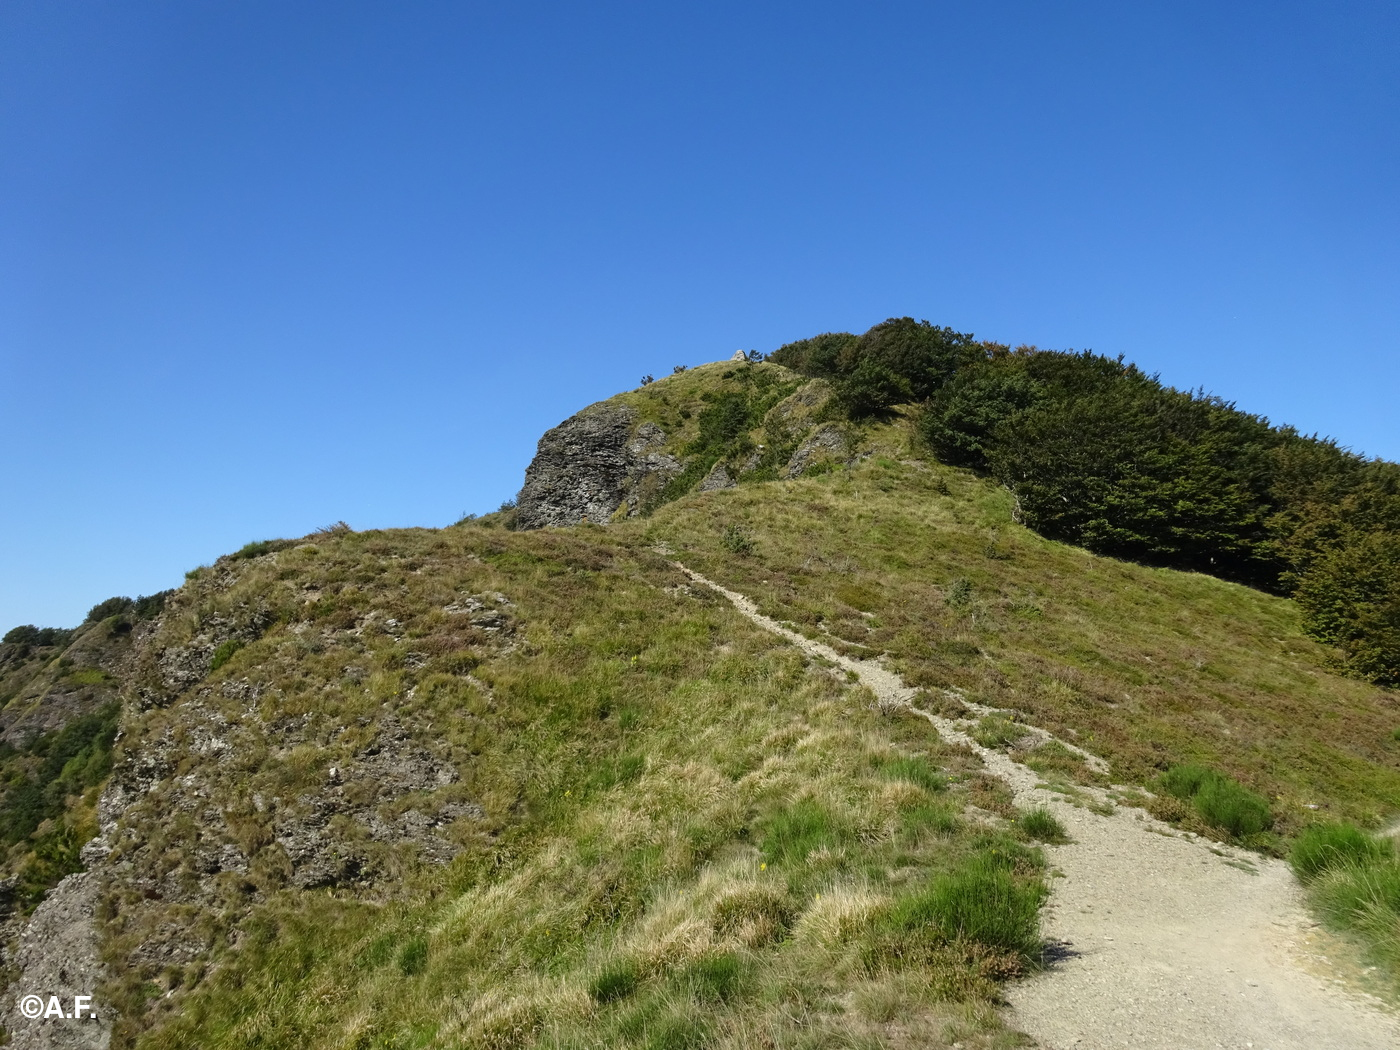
(1102, 455)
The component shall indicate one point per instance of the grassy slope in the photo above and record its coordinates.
(1145, 666)
(690, 834)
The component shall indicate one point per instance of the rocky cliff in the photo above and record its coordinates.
(592, 464)
(699, 429)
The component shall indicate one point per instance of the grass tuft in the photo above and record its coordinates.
(1322, 847)
(1220, 800)
(983, 902)
(413, 957)
(801, 829)
(617, 980)
(916, 770)
(1041, 824)
(1362, 896)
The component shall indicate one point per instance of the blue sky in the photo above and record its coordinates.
(264, 266)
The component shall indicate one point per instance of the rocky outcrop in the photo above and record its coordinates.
(825, 443)
(718, 478)
(58, 958)
(591, 465)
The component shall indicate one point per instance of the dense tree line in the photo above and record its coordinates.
(1100, 454)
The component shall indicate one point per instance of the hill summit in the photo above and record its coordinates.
(749, 724)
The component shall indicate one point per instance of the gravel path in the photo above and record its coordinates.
(1164, 941)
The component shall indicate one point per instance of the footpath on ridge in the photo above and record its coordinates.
(1161, 940)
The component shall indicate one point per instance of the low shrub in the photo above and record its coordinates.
(111, 607)
(28, 634)
(1325, 846)
(258, 548)
(1185, 780)
(736, 541)
(224, 653)
(997, 731)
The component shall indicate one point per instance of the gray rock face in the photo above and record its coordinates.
(827, 440)
(58, 956)
(590, 465)
(717, 478)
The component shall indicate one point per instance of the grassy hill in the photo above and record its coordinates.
(491, 788)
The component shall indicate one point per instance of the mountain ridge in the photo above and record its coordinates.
(333, 751)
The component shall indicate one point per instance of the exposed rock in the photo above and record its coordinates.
(590, 465)
(739, 355)
(58, 956)
(825, 442)
(717, 478)
(808, 396)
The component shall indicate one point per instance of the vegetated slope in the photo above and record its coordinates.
(58, 715)
(481, 788)
(1147, 667)
(1099, 454)
(494, 788)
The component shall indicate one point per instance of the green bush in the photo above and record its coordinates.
(1185, 780)
(1322, 847)
(1351, 599)
(111, 607)
(1233, 807)
(736, 540)
(224, 653)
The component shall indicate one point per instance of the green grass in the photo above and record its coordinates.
(983, 902)
(997, 731)
(1322, 847)
(1221, 801)
(687, 832)
(1355, 885)
(1042, 825)
(916, 770)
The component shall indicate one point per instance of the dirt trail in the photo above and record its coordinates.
(1164, 941)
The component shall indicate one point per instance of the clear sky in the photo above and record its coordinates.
(266, 265)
